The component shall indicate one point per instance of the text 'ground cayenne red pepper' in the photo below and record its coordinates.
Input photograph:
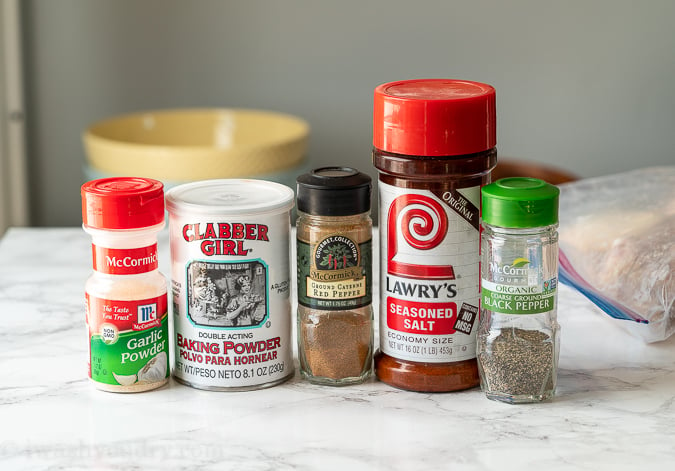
(434, 146)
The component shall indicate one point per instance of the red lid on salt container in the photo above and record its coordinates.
(434, 117)
(122, 203)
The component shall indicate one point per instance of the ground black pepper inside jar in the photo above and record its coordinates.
(519, 361)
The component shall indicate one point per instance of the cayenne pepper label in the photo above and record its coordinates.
(334, 273)
(431, 287)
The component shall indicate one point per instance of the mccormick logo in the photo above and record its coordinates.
(520, 271)
(418, 223)
(336, 258)
(130, 262)
(517, 268)
(125, 261)
(147, 313)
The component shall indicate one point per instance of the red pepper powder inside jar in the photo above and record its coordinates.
(434, 147)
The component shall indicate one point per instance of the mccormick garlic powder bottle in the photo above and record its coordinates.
(434, 146)
(126, 295)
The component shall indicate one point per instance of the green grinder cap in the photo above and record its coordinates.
(520, 202)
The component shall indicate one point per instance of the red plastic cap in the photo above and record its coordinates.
(122, 203)
(434, 117)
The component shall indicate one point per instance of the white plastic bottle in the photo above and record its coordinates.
(126, 294)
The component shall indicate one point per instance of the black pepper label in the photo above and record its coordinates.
(335, 273)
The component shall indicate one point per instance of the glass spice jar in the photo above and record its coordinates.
(334, 262)
(434, 147)
(518, 334)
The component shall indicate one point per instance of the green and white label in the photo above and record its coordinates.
(510, 299)
(128, 340)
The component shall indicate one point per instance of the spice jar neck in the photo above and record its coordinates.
(124, 239)
(317, 220)
(520, 231)
(418, 167)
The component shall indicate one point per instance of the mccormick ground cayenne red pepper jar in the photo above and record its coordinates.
(434, 146)
(334, 261)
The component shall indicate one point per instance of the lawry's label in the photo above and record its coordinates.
(429, 273)
(518, 288)
(129, 340)
(231, 287)
(334, 273)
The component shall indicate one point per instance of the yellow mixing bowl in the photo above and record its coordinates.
(196, 144)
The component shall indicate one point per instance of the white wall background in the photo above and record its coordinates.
(587, 85)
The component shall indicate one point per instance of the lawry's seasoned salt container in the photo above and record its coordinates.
(231, 283)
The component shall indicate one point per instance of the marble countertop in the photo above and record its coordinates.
(614, 408)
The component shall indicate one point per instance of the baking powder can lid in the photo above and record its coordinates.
(230, 197)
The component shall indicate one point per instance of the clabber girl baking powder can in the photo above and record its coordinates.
(231, 283)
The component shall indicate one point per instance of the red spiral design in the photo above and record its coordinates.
(415, 224)
(419, 222)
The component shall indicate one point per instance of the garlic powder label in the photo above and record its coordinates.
(128, 340)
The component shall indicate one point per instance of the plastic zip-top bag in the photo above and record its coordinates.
(617, 247)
